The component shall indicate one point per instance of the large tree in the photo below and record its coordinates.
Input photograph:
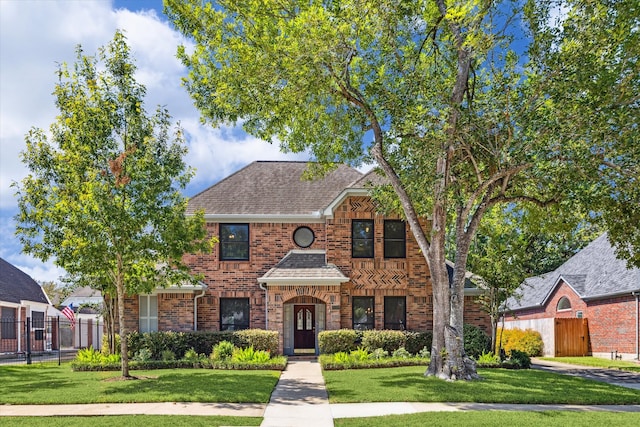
(433, 91)
(103, 196)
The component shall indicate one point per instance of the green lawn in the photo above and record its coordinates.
(497, 386)
(51, 384)
(597, 362)
(496, 418)
(130, 421)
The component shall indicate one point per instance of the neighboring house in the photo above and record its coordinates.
(298, 256)
(87, 305)
(21, 297)
(594, 287)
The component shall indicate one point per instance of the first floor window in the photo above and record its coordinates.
(37, 319)
(234, 242)
(234, 314)
(395, 313)
(148, 313)
(363, 314)
(8, 321)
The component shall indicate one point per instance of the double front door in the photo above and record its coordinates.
(304, 332)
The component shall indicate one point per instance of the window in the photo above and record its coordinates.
(8, 321)
(148, 313)
(234, 314)
(303, 236)
(37, 319)
(395, 313)
(394, 239)
(363, 314)
(362, 239)
(234, 242)
(564, 304)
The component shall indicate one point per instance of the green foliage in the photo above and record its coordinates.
(379, 353)
(192, 356)
(104, 192)
(259, 339)
(167, 356)
(527, 341)
(360, 354)
(89, 355)
(488, 360)
(222, 351)
(144, 355)
(476, 341)
(417, 341)
(425, 353)
(386, 339)
(105, 344)
(401, 353)
(519, 359)
(250, 355)
(94, 359)
(342, 340)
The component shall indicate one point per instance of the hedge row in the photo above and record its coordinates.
(476, 341)
(201, 342)
(347, 340)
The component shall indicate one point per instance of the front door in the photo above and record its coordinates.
(304, 335)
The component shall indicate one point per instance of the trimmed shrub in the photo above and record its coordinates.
(401, 353)
(476, 341)
(527, 341)
(342, 340)
(360, 354)
(259, 339)
(387, 340)
(416, 341)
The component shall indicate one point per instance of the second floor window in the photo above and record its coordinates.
(362, 238)
(394, 239)
(234, 242)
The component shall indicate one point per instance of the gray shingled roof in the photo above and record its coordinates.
(304, 265)
(594, 272)
(17, 286)
(273, 188)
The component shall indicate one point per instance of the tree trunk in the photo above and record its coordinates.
(123, 332)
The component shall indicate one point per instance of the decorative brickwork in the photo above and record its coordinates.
(270, 242)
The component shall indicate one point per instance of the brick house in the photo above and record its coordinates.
(298, 256)
(594, 286)
(21, 297)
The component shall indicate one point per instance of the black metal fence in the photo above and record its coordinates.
(46, 340)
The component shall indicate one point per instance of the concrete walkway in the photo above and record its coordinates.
(300, 398)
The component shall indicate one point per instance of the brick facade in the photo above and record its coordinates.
(270, 242)
(612, 321)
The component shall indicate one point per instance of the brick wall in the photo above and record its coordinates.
(270, 242)
(612, 321)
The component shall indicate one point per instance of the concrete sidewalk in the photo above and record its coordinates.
(300, 398)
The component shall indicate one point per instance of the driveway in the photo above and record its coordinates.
(611, 376)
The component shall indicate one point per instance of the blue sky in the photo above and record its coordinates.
(35, 35)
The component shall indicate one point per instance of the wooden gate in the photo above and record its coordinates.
(571, 337)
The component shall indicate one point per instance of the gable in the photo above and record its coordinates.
(592, 273)
(17, 286)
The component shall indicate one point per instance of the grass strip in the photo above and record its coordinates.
(408, 384)
(497, 418)
(52, 384)
(131, 421)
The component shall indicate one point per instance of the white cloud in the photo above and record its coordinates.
(35, 36)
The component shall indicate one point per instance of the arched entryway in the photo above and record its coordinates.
(304, 318)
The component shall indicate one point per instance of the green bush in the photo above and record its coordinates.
(342, 340)
(379, 353)
(89, 355)
(520, 359)
(476, 341)
(144, 355)
(387, 340)
(527, 341)
(488, 360)
(105, 344)
(222, 351)
(259, 339)
(416, 341)
(168, 356)
(401, 353)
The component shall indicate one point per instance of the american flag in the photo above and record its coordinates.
(69, 314)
